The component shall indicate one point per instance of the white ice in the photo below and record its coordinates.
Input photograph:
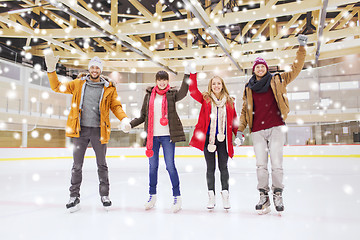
(321, 198)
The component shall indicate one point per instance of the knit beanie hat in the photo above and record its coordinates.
(260, 60)
(96, 61)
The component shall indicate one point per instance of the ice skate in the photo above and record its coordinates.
(278, 201)
(73, 205)
(177, 204)
(263, 207)
(151, 202)
(211, 203)
(226, 200)
(106, 202)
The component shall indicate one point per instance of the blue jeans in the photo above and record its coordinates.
(169, 155)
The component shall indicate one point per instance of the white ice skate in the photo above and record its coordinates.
(211, 203)
(226, 200)
(151, 202)
(73, 205)
(176, 204)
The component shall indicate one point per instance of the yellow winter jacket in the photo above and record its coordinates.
(278, 85)
(109, 100)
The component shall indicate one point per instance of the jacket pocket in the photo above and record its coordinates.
(73, 126)
(285, 100)
(107, 130)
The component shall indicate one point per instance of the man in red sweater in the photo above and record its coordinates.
(265, 109)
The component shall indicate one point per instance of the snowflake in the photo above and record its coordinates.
(28, 55)
(232, 181)
(348, 189)
(35, 177)
(131, 181)
(69, 130)
(35, 134)
(284, 129)
(132, 86)
(45, 95)
(49, 110)
(11, 94)
(299, 121)
(236, 122)
(47, 136)
(143, 134)
(62, 88)
(17, 136)
(199, 135)
(189, 168)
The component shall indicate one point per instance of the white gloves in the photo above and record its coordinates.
(302, 39)
(240, 138)
(190, 67)
(125, 125)
(51, 61)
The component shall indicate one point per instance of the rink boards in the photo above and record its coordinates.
(313, 151)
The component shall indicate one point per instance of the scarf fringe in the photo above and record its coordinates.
(218, 113)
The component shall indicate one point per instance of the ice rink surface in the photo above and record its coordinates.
(321, 198)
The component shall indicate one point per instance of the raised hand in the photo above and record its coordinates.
(190, 67)
(302, 39)
(51, 61)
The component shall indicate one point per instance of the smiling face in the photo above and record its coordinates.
(216, 86)
(95, 72)
(260, 70)
(162, 83)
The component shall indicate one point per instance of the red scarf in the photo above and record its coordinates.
(163, 120)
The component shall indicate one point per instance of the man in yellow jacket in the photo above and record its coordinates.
(88, 121)
(265, 108)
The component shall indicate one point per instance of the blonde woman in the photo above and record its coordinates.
(213, 133)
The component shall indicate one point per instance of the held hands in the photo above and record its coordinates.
(240, 138)
(190, 67)
(125, 125)
(51, 61)
(302, 39)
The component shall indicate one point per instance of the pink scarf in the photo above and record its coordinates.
(163, 120)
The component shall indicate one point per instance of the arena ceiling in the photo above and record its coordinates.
(147, 35)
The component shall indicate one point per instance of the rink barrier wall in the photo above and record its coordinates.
(317, 151)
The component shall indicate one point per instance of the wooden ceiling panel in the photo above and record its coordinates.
(152, 35)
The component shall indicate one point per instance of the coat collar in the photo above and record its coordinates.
(104, 79)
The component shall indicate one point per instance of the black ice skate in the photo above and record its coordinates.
(73, 205)
(106, 202)
(263, 207)
(278, 201)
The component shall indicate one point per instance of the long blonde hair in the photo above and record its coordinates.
(224, 92)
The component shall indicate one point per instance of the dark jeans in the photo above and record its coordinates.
(169, 155)
(211, 164)
(89, 134)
